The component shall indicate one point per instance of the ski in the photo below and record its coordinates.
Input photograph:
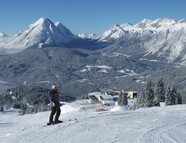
(66, 121)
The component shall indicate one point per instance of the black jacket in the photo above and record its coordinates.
(54, 97)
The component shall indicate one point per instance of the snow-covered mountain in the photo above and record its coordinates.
(116, 124)
(162, 38)
(2, 35)
(45, 32)
(41, 33)
(88, 36)
(67, 34)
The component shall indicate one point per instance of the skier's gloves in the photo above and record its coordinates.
(52, 104)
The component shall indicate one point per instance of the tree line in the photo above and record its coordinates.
(150, 97)
(29, 99)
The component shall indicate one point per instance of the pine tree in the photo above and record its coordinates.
(1, 109)
(141, 98)
(168, 97)
(171, 96)
(122, 101)
(160, 91)
(119, 99)
(179, 99)
(148, 95)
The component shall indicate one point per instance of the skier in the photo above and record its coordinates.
(54, 97)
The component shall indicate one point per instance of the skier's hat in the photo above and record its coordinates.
(54, 87)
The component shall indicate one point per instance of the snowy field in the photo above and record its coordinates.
(116, 125)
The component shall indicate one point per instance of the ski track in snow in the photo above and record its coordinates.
(152, 125)
(162, 133)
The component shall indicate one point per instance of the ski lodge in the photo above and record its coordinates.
(110, 97)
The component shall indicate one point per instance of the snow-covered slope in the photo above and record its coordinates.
(67, 34)
(152, 125)
(161, 37)
(41, 33)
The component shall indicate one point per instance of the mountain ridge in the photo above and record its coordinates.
(47, 31)
(78, 66)
(43, 33)
(162, 38)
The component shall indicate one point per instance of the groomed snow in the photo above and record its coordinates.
(116, 125)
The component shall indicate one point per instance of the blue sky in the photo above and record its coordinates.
(86, 16)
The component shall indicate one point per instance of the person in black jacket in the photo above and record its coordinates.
(54, 98)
